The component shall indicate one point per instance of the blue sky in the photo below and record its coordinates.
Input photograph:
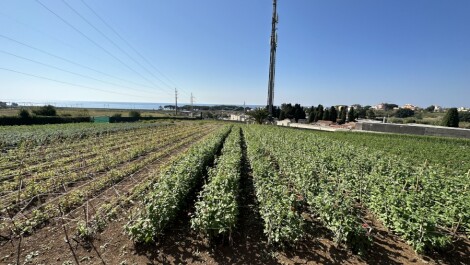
(330, 51)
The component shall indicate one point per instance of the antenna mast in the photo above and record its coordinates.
(272, 62)
(176, 102)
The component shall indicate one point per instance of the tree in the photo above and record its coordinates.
(134, 114)
(361, 113)
(351, 115)
(259, 115)
(326, 115)
(390, 106)
(451, 119)
(343, 114)
(371, 114)
(333, 114)
(431, 108)
(311, 114)
(47, 110)
(464, 116)
(319, 113)
(299, 112)
(276, 112)
(287, 111)
(24, 114)
(404, 113)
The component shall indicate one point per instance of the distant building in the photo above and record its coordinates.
(462, 109)
(339, 107)
(409, 106)
(437, 108)
(234, 117)
(380, 106)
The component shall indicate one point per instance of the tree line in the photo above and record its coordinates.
(343, 114)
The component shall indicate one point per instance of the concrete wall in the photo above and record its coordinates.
(414, 129)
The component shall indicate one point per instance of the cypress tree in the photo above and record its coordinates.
(451, 119)
(342, 116)
(333, 114)
(326, 115)
(319, 113)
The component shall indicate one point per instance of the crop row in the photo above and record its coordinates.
(105, 146)
(450, 153)
(323, 184)
(139, 188)
(43, 155)
(170, 193)
(277, 203)
(217, 209)
(77, 155)
(80, 194)
(32, 135)
(422, 203)
(56, 179)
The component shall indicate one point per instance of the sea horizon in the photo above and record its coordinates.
(111, 104)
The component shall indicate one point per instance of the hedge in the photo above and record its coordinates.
(41, 120)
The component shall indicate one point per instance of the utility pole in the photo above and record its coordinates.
(272, 61)
(192, 103)
(176, 102)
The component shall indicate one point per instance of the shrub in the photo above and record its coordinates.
(24, 114)
(117, 115)
(404, 113)
(134, 114)
(47, 110)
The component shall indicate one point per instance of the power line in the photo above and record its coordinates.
(95, 43)
(70, 72)
(43, 33)
(68, 83)
(71, 62)
(110, 40)
(132, 47)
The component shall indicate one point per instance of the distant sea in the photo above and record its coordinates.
(112, 105)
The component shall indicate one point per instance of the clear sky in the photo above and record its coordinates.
(329, 51)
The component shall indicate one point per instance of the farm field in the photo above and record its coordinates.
(217, 193)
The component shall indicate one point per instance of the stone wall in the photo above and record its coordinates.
(414, 129)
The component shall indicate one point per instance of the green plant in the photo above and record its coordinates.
(217, 209)
(451, 119)
(134, 114)
(164, 202)
(47, 110)
(24, 114)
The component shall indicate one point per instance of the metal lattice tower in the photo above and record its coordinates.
(272, 62)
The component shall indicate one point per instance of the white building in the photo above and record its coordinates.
(409, 106)
(234, 117)
(462, 109)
